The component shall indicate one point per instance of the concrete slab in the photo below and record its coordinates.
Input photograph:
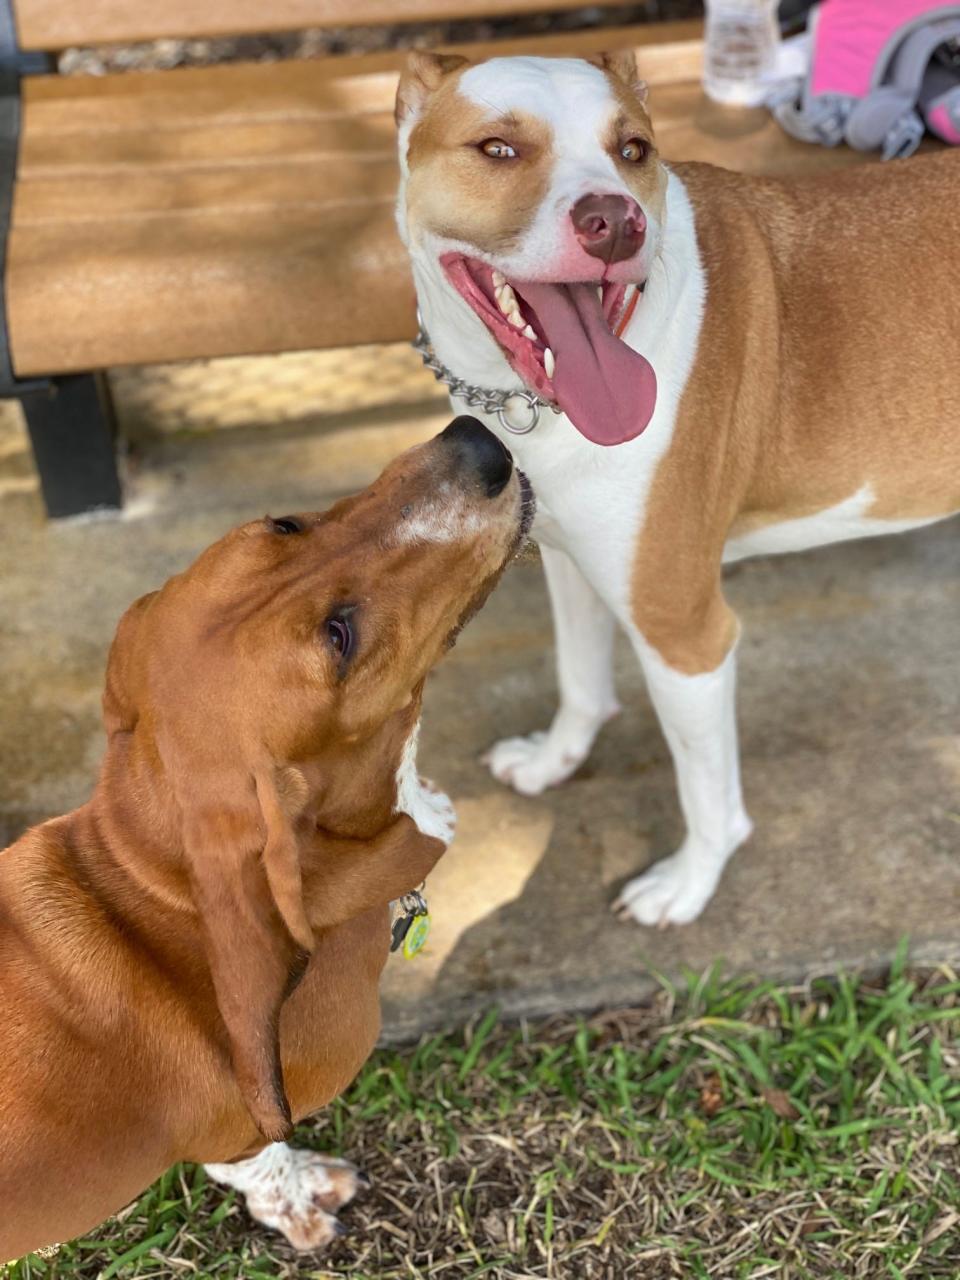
(850, 721)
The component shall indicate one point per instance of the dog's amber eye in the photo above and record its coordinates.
(284, 524)
(497, 149)
(635, 150)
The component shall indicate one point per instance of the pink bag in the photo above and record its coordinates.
(878, 73)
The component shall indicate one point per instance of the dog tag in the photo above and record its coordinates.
(416, 937)
(399, 931)
(411, 925)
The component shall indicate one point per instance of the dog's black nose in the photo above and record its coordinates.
(481, 451)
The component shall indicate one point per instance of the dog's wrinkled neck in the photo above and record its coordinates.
(135, 812)
(352, 785)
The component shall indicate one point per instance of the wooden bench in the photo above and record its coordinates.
(240, 208)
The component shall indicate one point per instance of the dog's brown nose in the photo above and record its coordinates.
(609, 227)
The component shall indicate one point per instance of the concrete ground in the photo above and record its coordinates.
(849, 711)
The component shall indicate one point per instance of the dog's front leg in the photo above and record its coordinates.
(584, 629)
(698, 718)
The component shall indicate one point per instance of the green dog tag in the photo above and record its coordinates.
(416, 937)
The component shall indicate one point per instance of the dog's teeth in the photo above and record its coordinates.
(516, 319)
(529, 333)
(549, 362)
(507, 300)
(499, 279)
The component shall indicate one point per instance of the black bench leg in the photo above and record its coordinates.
(71, 428)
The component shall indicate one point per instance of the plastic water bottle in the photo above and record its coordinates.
(740, 50)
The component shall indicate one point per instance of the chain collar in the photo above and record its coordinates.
(505, 404)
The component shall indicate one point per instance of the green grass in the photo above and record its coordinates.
(730, 1130)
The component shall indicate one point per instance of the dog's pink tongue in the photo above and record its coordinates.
(606, 390)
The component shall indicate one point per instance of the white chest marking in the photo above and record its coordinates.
(840, 523)
(430, 809)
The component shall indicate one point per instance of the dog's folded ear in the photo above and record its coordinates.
(622, 65)
(422, 76)
(244, 867)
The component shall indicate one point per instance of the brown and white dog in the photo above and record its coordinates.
(793, 364)
(189, 962)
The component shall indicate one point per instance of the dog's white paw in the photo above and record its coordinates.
(435, 814)
(294, 1192)
(532, 764)
(430, 808)
(542, 760)
(674, 891)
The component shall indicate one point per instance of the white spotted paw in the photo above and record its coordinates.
(674, 890)
(532, 764)
(430, 808)
(442, 820)
(294, 1192)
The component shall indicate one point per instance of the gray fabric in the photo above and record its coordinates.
(821, 119)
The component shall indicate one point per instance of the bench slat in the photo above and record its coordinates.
(181, 192)
(204, 143)
(249, 209)
(55, 24)
(147, 290)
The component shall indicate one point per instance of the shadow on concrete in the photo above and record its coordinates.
(849, 709)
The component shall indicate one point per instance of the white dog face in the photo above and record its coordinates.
(534, 185)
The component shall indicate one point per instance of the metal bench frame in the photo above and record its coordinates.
(70, 419)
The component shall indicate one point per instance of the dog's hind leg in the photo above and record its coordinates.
(698, 717)
(584, 628)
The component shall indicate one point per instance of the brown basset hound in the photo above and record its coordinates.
(189, 963)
